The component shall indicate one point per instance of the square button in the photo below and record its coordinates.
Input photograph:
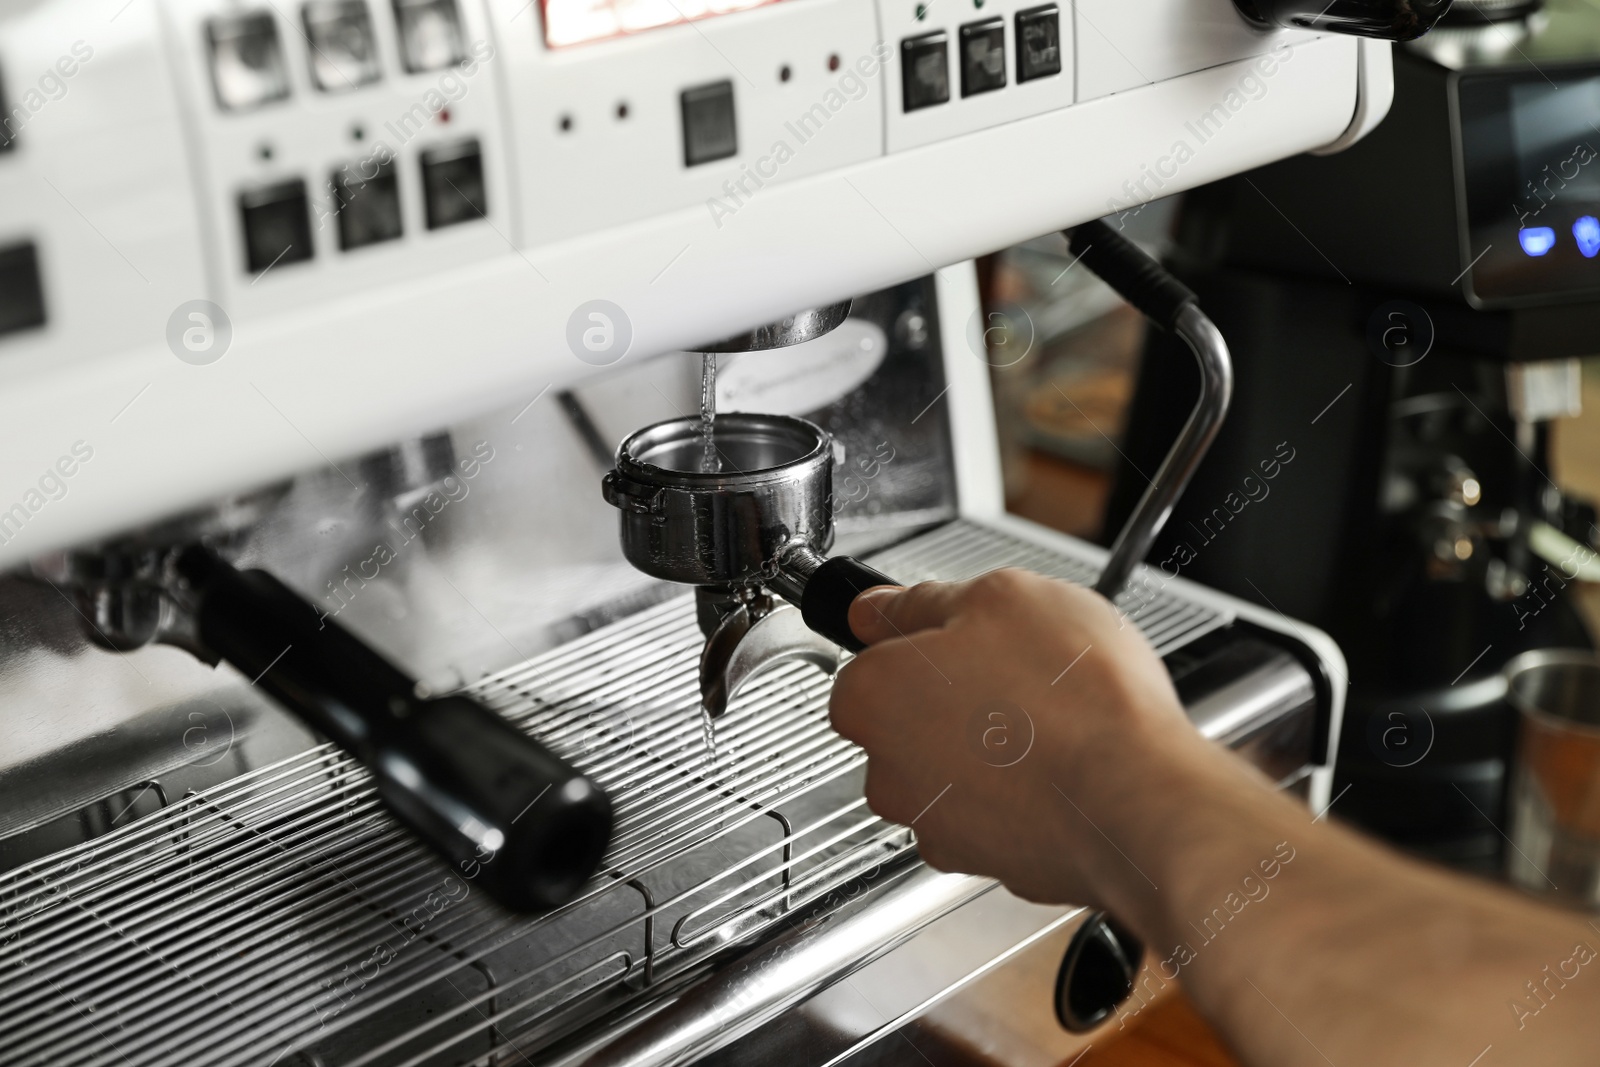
(344, 54)
(1038, 43)
(367, 198)
(8, 139)
(925, 70)
(246, 60)
(710, 124)
(277, 225)
(21, 293)
(430, 34)
(983, 56)
(452, 184)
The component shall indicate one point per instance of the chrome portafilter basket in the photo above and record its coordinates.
(746, 516)
(722, 524)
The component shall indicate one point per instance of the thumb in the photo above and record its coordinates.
(887, 612)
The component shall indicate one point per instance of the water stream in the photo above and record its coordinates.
(710, 462)
(708, 731)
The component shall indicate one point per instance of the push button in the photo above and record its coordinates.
(277, 225)
(430, 34)
(983, 56)
(21, 294)
(452, 184)
(8, 139)
(710, 124)
(343, 52)
(246, 61)
(369, 207)
(925, 70)
(1038, 43)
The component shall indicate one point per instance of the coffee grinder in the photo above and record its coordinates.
(1406, 318)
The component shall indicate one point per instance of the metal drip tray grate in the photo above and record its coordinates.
(283, 919)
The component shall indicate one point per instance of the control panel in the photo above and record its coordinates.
(957, 68)
(297, 230)
(1530, 160)
(349, 144)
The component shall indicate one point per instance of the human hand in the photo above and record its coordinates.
(990, 710)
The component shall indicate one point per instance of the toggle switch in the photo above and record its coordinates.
(925, 70)
(368, 207)
(983, 56)
(277, 225)
(1038, 43)
(710, 124)
(452, 183)
(8, 139)
(21, 291)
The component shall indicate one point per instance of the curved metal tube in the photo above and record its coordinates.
(1155, 507)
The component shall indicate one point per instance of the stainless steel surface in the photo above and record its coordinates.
(790, 969)
(1231, 713)
(896, 997)
(772, 981)
(1155, 507)
(722, 528)
(281, 916)
(1555, 790)
(797, 329)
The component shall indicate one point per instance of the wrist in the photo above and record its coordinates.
(1179, 824)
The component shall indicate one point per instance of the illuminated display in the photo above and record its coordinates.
(577, 21)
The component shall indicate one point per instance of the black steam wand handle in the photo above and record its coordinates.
(1167, 302)
(512, 817)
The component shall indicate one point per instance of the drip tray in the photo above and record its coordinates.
(282, 917)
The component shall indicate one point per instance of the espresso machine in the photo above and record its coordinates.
(1437, 320)
(340, 725)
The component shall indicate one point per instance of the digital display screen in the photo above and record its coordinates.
(568, 22)
(1553, 130)
(1531, 155)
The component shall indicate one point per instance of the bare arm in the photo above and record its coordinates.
(1304, 943)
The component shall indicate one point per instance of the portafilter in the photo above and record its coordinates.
(521, 823)
(758, 526)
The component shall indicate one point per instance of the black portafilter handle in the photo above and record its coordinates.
(511, 816)
(824, 589)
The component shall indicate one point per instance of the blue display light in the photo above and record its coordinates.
(1537, 240)
(1587, 231)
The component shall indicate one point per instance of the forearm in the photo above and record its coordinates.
(1307, 944)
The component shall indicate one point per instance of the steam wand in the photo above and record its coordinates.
(1171, 305)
